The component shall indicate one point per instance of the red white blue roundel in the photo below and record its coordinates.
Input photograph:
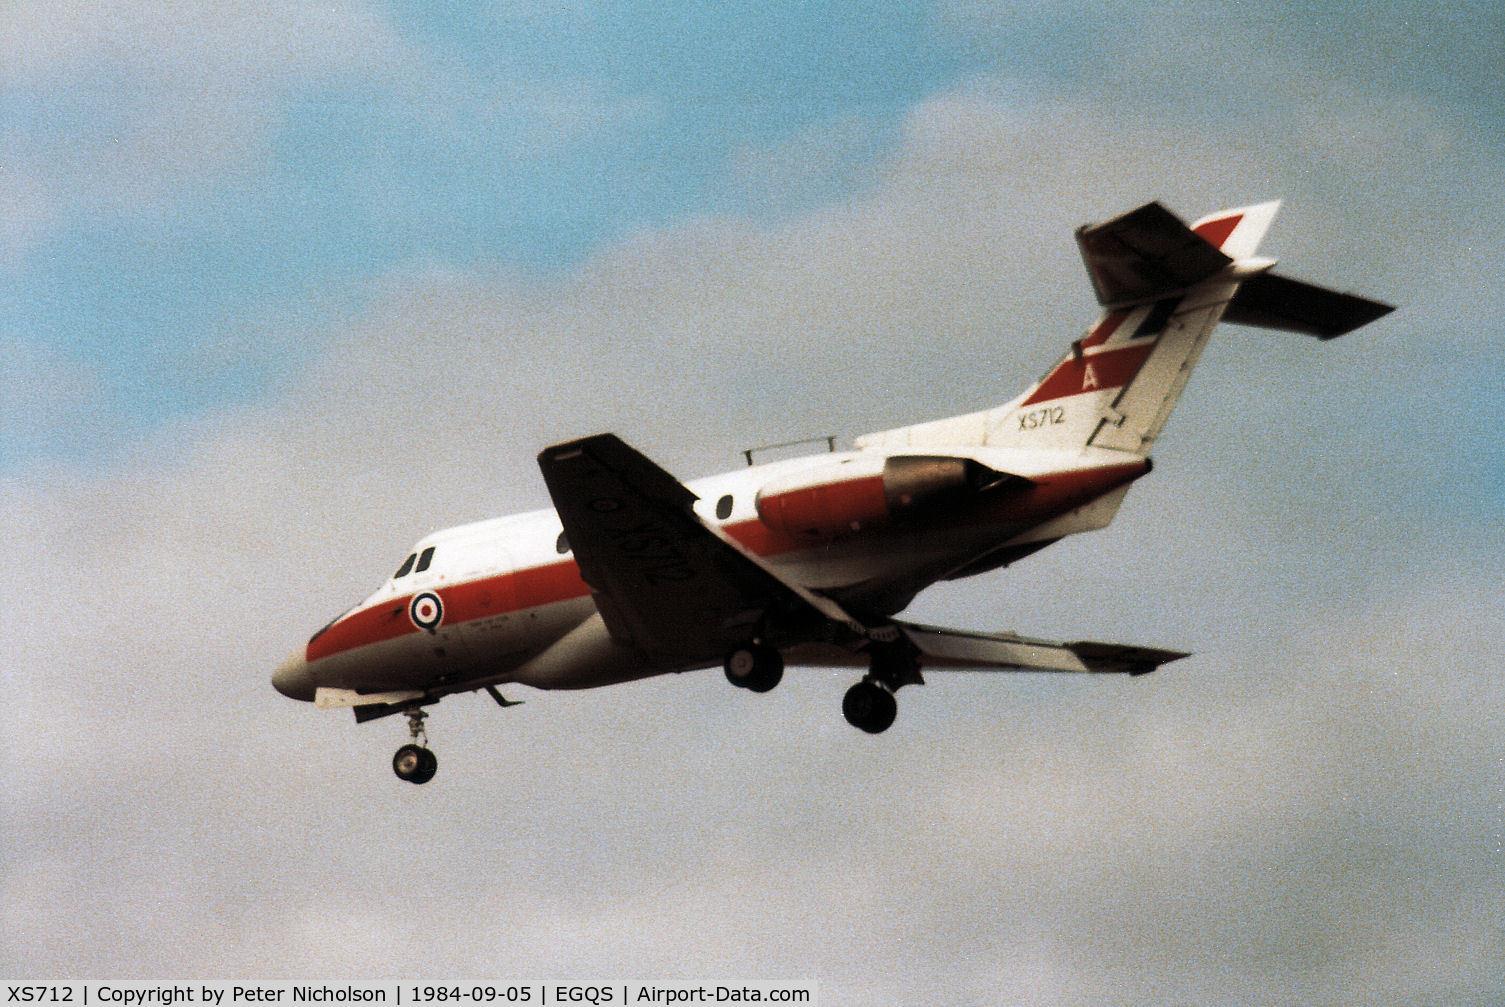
(426, 610)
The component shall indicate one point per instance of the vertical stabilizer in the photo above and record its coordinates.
(1164, 287)
(1237, 232)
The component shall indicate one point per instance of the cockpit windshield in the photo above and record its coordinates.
(421, 559)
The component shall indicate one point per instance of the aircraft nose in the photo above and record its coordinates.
(293, 680)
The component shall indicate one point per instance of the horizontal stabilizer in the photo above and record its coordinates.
(956, 650)
(1145, 255)
(1276, 302)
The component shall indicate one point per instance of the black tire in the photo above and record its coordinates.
(415, 764)
(755, 667)
(869, 707)
(429, 768)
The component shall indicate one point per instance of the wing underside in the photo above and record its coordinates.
(939, 649)
(963, 651)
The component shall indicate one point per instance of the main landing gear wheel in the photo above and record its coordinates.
(756, 667)
(414, 762)
(870, 707)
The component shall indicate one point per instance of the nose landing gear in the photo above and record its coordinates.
(414, 762)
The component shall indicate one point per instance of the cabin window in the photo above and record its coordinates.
(424, 559)
(724, 507)
(407, 565)
(562, 544)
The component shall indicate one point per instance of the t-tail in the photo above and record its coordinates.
(1163, 286)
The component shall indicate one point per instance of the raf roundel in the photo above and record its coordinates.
(426, 611)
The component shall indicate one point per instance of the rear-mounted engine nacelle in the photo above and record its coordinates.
(861, 493)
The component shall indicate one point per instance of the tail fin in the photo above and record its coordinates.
(1164, 286)
(1179, 281)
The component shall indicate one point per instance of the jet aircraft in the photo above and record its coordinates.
(808, 560)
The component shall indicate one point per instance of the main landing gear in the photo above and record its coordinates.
(868, 706)
(756, 667)
(414, 762)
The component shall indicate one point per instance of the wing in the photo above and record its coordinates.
(937, 649)
(943, 649)
(665, 581)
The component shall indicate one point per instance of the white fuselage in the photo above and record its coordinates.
(502, 600)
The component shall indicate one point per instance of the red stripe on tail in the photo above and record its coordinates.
(1104, 329)
(1104, 369)
(1215, 232)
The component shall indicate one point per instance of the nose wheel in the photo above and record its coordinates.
(414, 762)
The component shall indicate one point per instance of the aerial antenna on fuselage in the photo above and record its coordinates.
(829, 440)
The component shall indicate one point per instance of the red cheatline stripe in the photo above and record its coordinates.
(510, 592)
(515, 591)
(521, 590)
(1215, 232)
(828, 508)
(1058, 492)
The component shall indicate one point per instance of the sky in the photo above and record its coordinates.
(283, 289)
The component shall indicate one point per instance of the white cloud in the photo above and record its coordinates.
(186, 40)
(124, 106)
(130, 108)
(127, 108)
(45, 394)
(27, 213)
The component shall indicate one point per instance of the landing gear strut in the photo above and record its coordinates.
(414, 762)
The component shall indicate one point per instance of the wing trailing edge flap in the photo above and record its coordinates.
(958, 650)
(664, 580)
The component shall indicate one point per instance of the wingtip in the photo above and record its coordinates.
(1123, 658)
